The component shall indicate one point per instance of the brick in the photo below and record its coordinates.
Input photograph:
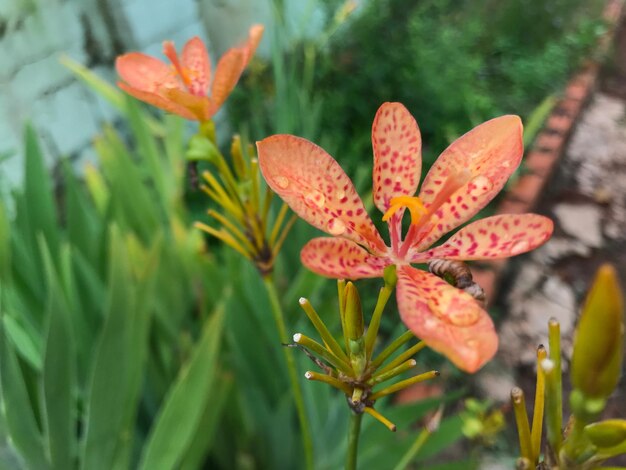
(569, 107)
(528, 189)
(560, 123)
(549, 141)
(541, 163)
(512, 206)
(577, 91)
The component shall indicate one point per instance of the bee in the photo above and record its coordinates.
(459, 275)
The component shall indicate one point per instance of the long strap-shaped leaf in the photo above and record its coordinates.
(178, 420)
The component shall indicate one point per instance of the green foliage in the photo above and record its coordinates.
(440, 58)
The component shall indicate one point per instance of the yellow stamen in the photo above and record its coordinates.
(413, 203)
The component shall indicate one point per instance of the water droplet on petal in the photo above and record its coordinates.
(314, 199)
(282, 182)
(480, 185)
(471, 343)
(340, 194)
(506, 164)
(520, 247)
(336, 227)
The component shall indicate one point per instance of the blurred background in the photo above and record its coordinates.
(110, 297)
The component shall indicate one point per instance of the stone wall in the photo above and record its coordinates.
(66, 115)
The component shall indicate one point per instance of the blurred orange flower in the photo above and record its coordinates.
(183, 87)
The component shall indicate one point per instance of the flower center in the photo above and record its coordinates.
(412, 203)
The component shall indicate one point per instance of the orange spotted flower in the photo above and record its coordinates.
(467, 175)
(183, 87)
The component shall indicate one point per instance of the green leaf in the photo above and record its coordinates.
(20, 418)
(202, 441)
(59, 373)
(114, 389)
(38, 194)
(27, 347)
(180, 416)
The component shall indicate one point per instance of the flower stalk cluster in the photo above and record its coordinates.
(584, 443)
(352, 367)
(243, 204)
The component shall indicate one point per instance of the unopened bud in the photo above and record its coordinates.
(607, 433)
(353, 313)
(598, 344)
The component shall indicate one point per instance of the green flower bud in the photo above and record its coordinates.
(353, 313)
(607, 433)
(598, 344)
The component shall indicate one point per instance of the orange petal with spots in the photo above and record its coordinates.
(231, 65)
(469, 174)
(447, 319)
(341, 259)
(495, 237)
(317, 189)
(144, 73)
(397, 145)
(158, 100)
(196, 63)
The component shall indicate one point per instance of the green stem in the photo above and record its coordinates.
(279, 319)
(353, 440)
(414, 449)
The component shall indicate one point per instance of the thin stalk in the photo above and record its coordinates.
(376, 415)
(408, 354)
(236, 231)
(393, 347)
(224, 236)
(556, 408)
(413, 450)
(321, 328)
(540, 394)
(324, 353)
(381, 377)
(279, 319)
(372, 330)
(283, 236)
(327, 379)
(353, 440)
(278, 223)
(521, 418)
(404, 383)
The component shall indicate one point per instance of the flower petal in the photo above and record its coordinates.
(317, 189)
(341, 259)
(495, 237)
(198, 106)
(144, 73)
(195, 62)
(397, 145)
(159, 101)
(468, 174)
(447, 319)
(231, 65)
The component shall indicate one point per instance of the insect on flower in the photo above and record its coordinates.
(467, 175)
(183, 87)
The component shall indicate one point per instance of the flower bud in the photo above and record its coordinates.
(598, 344)
(607, 433)
(353, 313)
